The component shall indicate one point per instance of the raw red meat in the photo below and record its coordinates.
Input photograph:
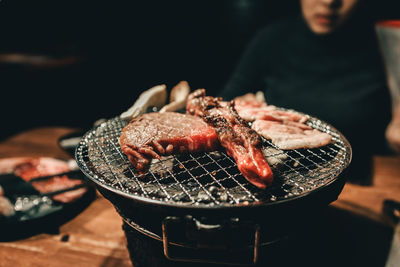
(29, 168)
(240, 142)
(155, 134)
(58, 183)
(37, 167)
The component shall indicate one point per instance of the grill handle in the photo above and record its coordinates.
(205, 243)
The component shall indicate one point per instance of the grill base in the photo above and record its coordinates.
(330, 237)
(147, 252)
(279, 217)
(209, 185)
(302, 216)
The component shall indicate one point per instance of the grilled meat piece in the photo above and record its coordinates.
(262, 111)
(291, 135)
(153, 135)
(285, 128)
(240, 142)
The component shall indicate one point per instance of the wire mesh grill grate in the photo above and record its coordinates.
(209, 179)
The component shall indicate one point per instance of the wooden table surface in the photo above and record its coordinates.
(96, 237)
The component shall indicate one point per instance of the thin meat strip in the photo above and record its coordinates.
(251, 108)
(286, 129)
(291, 135)
(261, 111)
(154, 135)
(240, 142)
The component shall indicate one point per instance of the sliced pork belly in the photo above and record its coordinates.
(250, 108)
(291, 135)
(250, 100)
(269, 113)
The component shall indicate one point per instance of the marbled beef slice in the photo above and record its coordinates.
(153, 135)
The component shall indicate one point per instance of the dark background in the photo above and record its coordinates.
(101, 55)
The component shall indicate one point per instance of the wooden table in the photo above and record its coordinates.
(96, 237)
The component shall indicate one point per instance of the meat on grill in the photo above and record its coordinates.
(153, 135)
(240, 142)
(291, 135)
(286, 129)
(257, 110)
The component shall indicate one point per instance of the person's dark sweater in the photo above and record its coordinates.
(338, 78)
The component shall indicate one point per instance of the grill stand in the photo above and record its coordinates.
(199, 232)
(209, 185)
(146, 244)
(189, 240)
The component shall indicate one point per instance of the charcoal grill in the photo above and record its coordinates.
(183, 198)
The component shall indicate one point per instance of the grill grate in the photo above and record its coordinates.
(209, 179)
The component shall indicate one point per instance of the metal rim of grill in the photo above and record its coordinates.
(210, 180)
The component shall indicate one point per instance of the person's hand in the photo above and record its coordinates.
(393, 135)
(393, 130)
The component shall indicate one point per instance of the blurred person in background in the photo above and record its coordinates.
(325, 62)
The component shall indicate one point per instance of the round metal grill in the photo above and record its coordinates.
(209, 179)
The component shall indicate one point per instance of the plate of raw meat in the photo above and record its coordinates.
(39, 193)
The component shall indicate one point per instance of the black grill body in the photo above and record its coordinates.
(184, 198)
